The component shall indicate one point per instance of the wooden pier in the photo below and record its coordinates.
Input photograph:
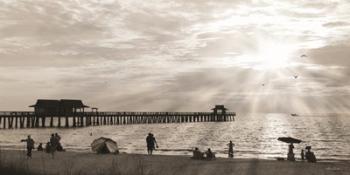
(26, 119)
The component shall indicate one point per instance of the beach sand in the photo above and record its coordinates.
(69, 163)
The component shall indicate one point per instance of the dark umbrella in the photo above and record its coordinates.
(289, 140)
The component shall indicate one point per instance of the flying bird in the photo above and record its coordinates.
(303, 56)
(295, 76)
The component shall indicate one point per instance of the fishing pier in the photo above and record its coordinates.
(54, 117)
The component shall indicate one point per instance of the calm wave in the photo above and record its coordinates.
(254, 135)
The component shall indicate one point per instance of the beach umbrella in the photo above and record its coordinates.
(289, 140)
(104, 145)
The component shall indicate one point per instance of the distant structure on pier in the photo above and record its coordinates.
(58, 107)
(70, 113)
(219, 109)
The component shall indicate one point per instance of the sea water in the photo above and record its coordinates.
(254, 136)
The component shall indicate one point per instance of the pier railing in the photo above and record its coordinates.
(29, 119)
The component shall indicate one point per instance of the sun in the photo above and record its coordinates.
(270, 55)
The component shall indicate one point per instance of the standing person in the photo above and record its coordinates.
(30, 145)
(230, 149)
(53, 145)
(58, 137)
(54, 141)
(290, 155)
(58, 142)
(151, 143)
(302, 155)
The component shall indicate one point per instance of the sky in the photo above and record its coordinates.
(290, 56)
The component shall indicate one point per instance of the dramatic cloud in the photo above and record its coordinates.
(177, 55)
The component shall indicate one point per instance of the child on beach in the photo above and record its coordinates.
(40, 147)
(30, 145)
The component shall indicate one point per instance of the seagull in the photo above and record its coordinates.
(295, 76)
(263, 84)
(303, 56)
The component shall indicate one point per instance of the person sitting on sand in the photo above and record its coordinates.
(230, 149)
(40, 147)
(30, 145)
(209, 154)
(198, 155)
(309, 155)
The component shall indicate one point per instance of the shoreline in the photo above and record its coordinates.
(163, 153)
(92, 163)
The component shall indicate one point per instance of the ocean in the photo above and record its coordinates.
(254, 136)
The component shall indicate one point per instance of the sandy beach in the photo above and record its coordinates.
(65, 163)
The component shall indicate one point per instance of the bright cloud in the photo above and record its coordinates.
(176, 55)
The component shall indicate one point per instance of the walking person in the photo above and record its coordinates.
(30, 146)
(151, 143)
(230, 149)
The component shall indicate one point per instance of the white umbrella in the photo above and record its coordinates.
(104, 145)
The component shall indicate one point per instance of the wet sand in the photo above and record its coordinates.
(68, 163)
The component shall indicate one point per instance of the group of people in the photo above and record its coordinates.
(198, 155)
(308, 156)
(55, 145)
(52, 146)
(209, 155)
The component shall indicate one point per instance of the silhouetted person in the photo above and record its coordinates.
(302, 155)
(58, 137)
(53, 145)
(230, 149)
(290, 155)
(30, 145)
(198, 155)
(309, 155)
(58, 142)
(54, 141)
(40, 147)
(151, 143)
(209, 154)
(50, 149)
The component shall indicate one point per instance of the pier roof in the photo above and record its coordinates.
(46, 103)
(49, 103)
(73, 103)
